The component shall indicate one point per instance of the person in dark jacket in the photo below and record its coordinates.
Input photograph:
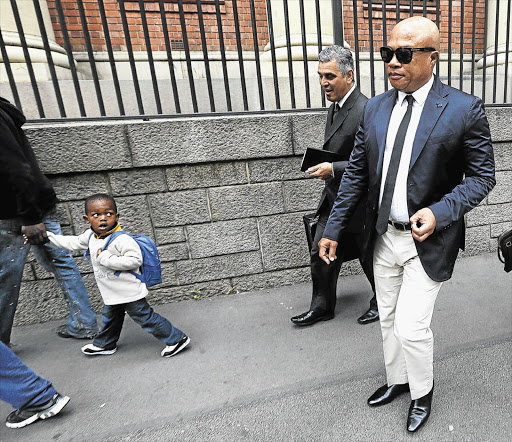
(28, 207)
(336, 72)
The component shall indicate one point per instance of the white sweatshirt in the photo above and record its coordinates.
(122, 254)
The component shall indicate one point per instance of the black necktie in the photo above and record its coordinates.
(389, 185)
(335, 112)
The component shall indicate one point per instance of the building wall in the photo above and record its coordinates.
(449, 22)
(152, 11)
(222, 196)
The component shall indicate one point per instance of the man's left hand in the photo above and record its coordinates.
(322, 171)
(423, 224)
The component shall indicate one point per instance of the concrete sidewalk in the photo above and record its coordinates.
(249, 374)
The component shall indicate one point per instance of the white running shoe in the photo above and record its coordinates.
(171, 350)
(91, 350)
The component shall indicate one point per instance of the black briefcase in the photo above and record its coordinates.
(310, 222)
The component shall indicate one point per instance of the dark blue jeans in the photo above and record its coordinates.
(19, 385)
(144, 315)
(13, 254)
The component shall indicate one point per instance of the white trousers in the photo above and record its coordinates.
(406, 297)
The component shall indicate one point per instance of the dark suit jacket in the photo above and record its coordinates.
(451, 171)
(339, 138)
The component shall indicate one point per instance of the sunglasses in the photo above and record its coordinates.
(403, 55)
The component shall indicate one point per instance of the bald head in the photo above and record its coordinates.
(420, 29)
(413, 32)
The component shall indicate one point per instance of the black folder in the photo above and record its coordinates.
(312, 157)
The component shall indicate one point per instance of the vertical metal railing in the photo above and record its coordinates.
(130, 58)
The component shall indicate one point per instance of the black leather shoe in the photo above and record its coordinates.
(371, 315)
(419, 411)
(384, 395)
(310, 317)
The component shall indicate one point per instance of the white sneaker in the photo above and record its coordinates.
(91, 350)
(171, 350)
(25, 416)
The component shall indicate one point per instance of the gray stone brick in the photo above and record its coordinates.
(283, 242)
(194, 292)
(63, 214)
(353, 267)
(80, 147)
(499, 123)
(218, 267)
(169, 275)
(477, 240)
(206, 175)
(499, 228)
(303, 136)
(28, 272)
(223, 238)
(276, 169)
(134, 215)
(168, 235)
(302, 195)
(40, 301)
(272, 279)
(138, 181)
(490, 214)
(502, 192)
(189, 141)
(67, 230)
(503, 156)
(245, 201)
(179, 208)
(78, 187)
(76, 211)
(173, 252)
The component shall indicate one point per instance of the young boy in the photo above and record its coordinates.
(122, 293)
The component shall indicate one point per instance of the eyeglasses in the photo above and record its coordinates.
(403, 55)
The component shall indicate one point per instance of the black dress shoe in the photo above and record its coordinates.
(419, 411)
(371, 315)
(310, 317)
(384, 395)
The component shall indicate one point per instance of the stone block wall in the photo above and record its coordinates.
(223, 198)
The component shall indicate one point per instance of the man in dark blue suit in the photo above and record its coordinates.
(336, 75)
(423, 154)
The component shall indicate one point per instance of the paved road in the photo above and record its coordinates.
(250, 375)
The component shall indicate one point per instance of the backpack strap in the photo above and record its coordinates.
(111, 238)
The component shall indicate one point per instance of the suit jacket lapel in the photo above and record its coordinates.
(381, 125)
(434, 106)
(330, 130)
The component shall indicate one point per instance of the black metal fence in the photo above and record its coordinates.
(141, 58)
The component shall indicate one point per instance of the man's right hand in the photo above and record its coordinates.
(35, 234)
(327, 249)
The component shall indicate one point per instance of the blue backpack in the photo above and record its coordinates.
(151, 269)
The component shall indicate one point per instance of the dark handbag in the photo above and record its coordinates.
(505, 249)
(310, 222)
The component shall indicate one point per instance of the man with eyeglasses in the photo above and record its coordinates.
(423, 155)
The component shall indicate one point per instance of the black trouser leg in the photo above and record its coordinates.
(324, 276)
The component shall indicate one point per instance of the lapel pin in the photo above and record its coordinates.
(439, 105)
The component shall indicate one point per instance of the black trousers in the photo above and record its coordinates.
(325, 276)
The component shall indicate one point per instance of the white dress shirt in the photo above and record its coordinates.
(399, 211)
